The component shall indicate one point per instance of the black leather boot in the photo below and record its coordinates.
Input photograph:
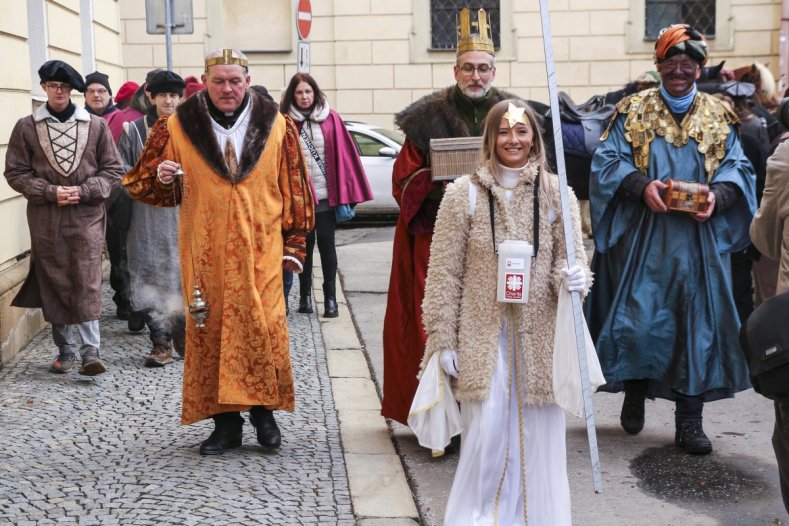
(690, 435)
(305, 304)
(330, 300)
(632, 415)
(262, 420)
(227, 434)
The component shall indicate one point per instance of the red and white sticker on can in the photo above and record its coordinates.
(513, 285)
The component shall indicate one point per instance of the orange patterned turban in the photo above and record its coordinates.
(681, 38)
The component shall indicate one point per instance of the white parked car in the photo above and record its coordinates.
(378, 148)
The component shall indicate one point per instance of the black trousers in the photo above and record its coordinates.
(687, 407)
(781, 446)
(742, 284)
(118, 216)
(325, 226)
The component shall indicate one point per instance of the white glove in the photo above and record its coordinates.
(449, 362)
(574, 278)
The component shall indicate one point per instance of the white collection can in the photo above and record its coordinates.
(514, 271)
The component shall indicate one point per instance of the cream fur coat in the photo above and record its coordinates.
(460, 307)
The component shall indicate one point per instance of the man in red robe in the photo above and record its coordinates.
(456, 111)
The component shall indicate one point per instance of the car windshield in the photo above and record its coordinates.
(396, 137)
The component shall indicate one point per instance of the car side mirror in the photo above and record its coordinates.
(387, 151)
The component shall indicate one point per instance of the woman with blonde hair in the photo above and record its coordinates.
(512, 466)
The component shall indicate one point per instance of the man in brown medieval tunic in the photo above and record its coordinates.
(65, 163)
(234, 164)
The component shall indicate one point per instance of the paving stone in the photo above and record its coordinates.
(110, 449)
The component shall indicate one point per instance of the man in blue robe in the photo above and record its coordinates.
(662, 311)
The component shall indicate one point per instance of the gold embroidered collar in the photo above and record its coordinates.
(707, 122)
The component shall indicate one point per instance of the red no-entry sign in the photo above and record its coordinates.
(304, 19)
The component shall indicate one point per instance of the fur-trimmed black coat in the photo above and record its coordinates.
(436, 116)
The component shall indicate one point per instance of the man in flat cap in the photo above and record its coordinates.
(152, 238)
(661, 310)
(65, 163)
(234, 165)
(456, 111)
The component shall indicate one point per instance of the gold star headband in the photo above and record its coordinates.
(515, 115)
(227, 58)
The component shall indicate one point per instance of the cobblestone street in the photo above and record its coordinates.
(110, 450)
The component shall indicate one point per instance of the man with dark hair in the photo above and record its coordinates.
(152, 238)
(661, 310)
(64, 162)
(457, 111)
(234, 164)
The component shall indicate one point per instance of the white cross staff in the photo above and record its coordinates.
(568, 240)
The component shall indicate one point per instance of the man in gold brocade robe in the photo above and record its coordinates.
(234, 165)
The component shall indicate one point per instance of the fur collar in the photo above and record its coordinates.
(435, 116)
(195, 120)
(484, 177)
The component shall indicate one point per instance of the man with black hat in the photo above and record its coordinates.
(152, 238)
(64, 162)
(98, 101)
(98, 95)
(662, 310)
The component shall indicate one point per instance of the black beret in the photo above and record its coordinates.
(98, 78)
(59, 71)
(165, 82)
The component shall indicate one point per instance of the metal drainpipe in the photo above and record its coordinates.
(783, 46)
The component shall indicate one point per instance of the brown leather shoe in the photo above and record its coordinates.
(161, 355)
(91, 363)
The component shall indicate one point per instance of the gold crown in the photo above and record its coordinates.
(227, 58)
(479, 40)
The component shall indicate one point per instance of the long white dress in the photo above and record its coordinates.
(488, 485)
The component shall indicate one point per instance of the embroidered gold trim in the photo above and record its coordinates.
(707, 122)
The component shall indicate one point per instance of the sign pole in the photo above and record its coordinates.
(168, 32)
(570, 245)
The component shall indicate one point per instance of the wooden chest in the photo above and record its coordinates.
(683, 196)
(451, 158)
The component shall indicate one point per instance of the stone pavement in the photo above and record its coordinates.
(110, 450)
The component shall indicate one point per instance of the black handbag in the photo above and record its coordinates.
(765, 340)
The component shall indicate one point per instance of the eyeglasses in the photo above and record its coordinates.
(100, 91)
(482, 69)
(58, 86)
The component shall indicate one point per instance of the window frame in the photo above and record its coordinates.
(473, 18)
(420, 51)
(635, 29)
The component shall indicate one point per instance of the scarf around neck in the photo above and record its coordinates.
(681, 105)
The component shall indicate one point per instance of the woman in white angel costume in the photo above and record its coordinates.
(512, 468)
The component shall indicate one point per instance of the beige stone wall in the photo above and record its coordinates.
(370, 56)
(143, 52)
